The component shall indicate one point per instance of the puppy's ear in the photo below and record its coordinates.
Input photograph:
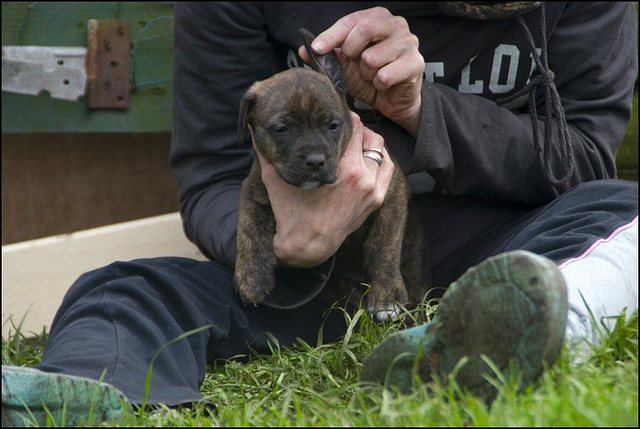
(327, 64)
(245, 117)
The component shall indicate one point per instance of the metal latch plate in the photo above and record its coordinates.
(31, 70)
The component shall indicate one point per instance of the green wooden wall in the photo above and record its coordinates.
(65, 24)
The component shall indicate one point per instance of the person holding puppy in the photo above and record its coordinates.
(506, 118)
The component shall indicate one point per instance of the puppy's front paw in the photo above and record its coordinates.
(253, 287)
(387, 314)
(386, 304)
(252, 295)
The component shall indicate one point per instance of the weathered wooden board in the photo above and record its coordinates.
(36, 274)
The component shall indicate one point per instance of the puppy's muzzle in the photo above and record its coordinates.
(311, 170)
(315, 161)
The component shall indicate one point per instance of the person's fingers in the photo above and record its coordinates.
(373, 148)
(354, 168)
(355, 144)
(302, 53)
(386, 171)
(390, 62)
(334, 36)
(379, 164)
(363, 139)
(397, 73)
(369, 32)
(268, 172)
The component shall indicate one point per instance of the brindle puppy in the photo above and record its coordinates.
(299, 121)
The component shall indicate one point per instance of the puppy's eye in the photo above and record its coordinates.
(334, 125)
(280, 129)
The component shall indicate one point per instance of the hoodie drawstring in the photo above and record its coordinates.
(553, 108)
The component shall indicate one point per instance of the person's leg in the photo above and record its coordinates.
(614, 262)
(511, 310)
(140, 306)
(115, 320)
(591, 232)
(581, 231)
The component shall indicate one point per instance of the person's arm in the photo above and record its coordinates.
(473, 146)
(220, 49)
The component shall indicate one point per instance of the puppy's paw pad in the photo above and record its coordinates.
(252, 296)
(386, 313)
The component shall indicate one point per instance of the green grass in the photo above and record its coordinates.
(317, 385)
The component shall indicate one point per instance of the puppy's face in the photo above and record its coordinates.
(299, 120)
(300, 124)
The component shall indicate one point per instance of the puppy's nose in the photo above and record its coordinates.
(314, 161)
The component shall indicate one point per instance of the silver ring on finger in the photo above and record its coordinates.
(374, 154)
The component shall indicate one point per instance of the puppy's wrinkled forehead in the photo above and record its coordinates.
(298, 92)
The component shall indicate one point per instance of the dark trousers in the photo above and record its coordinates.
(114, 319)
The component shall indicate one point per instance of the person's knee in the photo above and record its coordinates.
(608, 186)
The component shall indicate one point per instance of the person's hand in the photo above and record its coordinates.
(311, 224)
(381, 61)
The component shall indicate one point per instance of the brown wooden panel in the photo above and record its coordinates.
(60, 183)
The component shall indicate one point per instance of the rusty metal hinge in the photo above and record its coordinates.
(108, 64)
(100, 72)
